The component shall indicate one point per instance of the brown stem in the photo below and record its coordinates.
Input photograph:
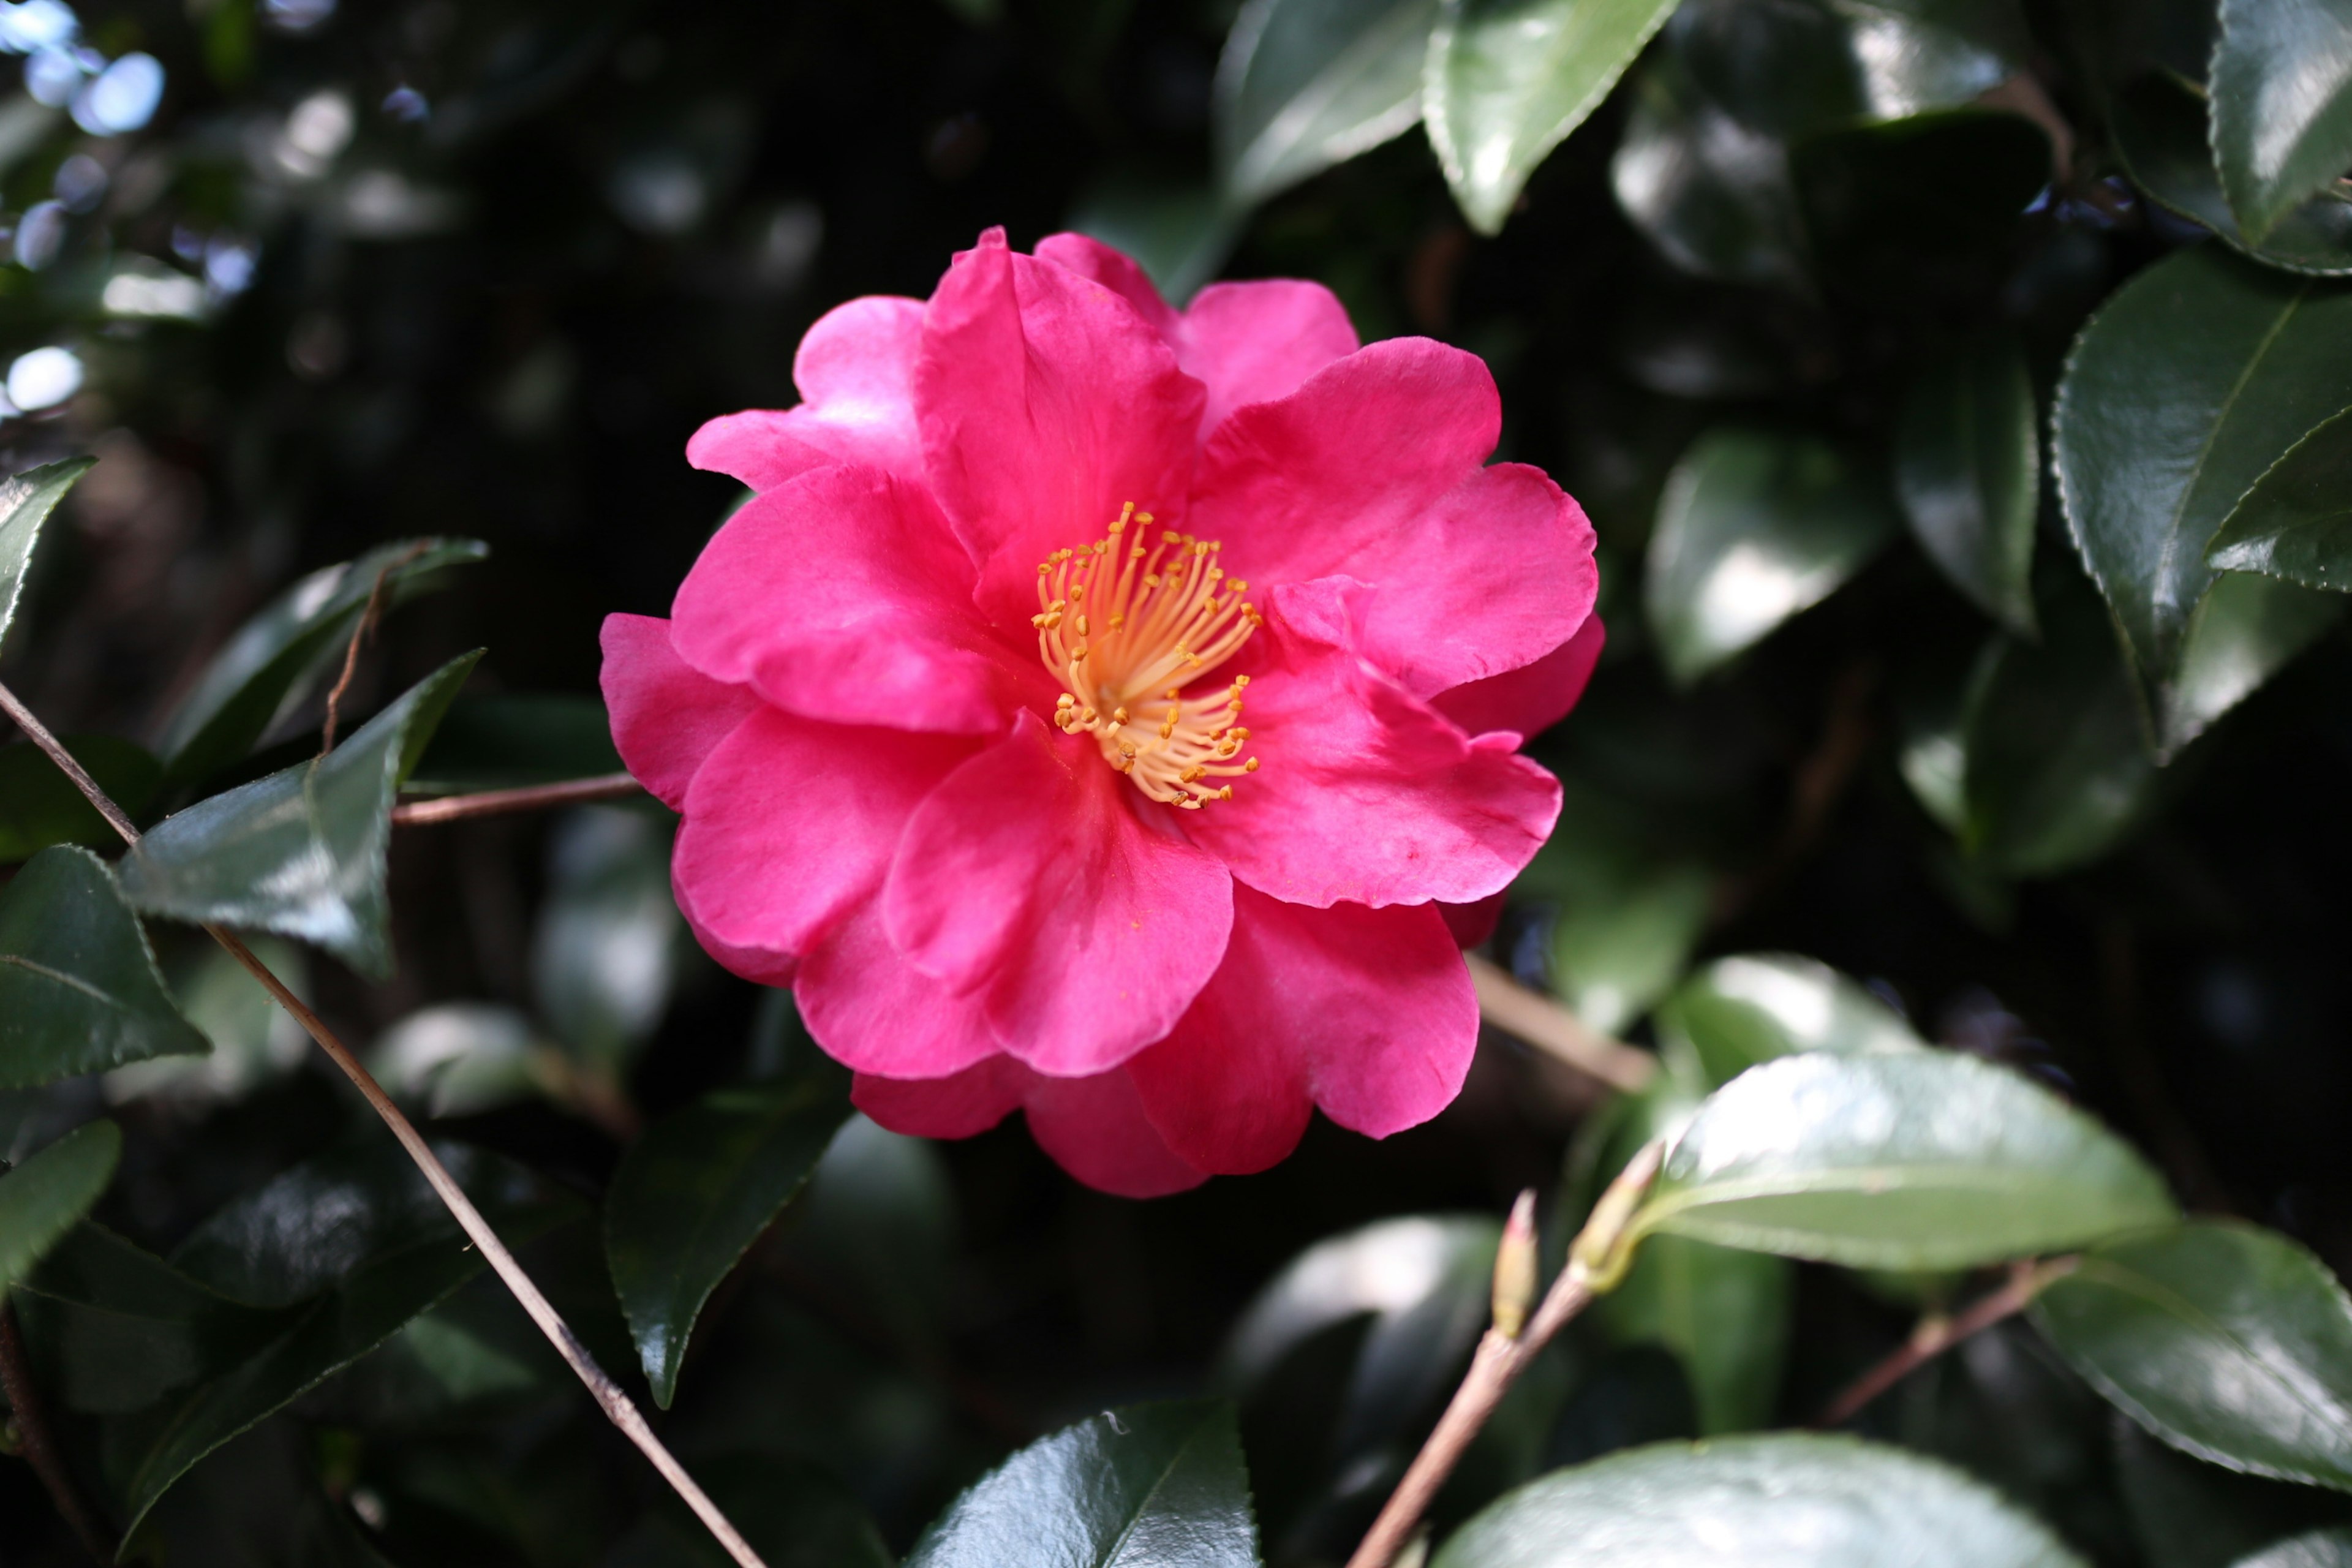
(367, 621)
(1557, 1032)
(1498, 1363)
(499, 802)
(1937, 1333)
(616, 1404)
(41, 1445)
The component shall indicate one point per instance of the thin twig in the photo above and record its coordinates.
(1497, 1362)
(40, 1444)
(1937, 1333)
(616, 1404)
(499, 802)
(1557, 1032)
(367, 623)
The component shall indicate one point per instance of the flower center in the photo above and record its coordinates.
(1125, 628)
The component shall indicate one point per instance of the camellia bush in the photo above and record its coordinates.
(1483, 784)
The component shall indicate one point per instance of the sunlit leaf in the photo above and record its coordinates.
(1715, 197)
(26, 501)
(2329, 1548)
(1738, 1012)
(1967, 464)
(300, 851)
(459, 1059)
(2158, 125)
(1786, 1500)
(42, 1198)
(1916, 1160)
(2296, 520)
(2232, 1342)
(1305, 84)
(2248, 629)
(1799, 66)
(2282, 86)
(79, 990)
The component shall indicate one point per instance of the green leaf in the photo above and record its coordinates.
(694, 1193)
(2186, 1513)
(2282, 86)
(2189, 382)
(79, 990)
(1918, 1160)
(1508, 81)
(459, 1059)
(300, 851)
(1740, 1011)
(1785, 1500)
(2230, 1342)
(1753, 528)
(26, 501)
(1148, 1485)
(124, 1327)
(277, 658)
(2056, 765)
(1968, 463)
(41, 1199)
(40, 806)
(514, 740)
(1626, 913)
(2330, 1547)
(2296, 520)
(2248, 629)
(1179, 232)
(391, 1252)
(254, 1039)
(1799, 66)
(1713, 197)
(877, 1226)
(1305, 84)
(2158, 125)
(602, 958)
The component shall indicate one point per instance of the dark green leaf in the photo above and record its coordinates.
(1753, 528)
(1179, 232)
(2314, 1549)
(2193, 379)
(124, 1327)
(2282, 85)
(1798, 66)
(1967, 464)
(277, 658)
(513, 739)
(1625, 913)
(2248, 629)
(300, 851)
(2054, 757)
(460, 1059)
(2186, 1513)
(40, 806)
(79, 990)
(1738, 1012)
(26, 501)
(254, 1039)
(695, 1191)
(1780, 1501)
(1713, 197)
(1509, 80)
(41, 1199)
(1918, 1159)
(604, 955)
(2296, 520)
(1305, 84)
(877, 1227)
(2158, 125)
(2232, 1342)
(1148, 1486)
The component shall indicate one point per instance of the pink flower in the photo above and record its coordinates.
(1098, 704)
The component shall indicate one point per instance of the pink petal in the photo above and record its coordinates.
(1533, 698)
(856, 369)
(667, 715)
(1114, 271)
(872, 1010)
(1227, 1088)
(791, 822)
(1094, 1129)
(960, 1105)
(1363, 792)
(761, 965)
(1046, 404)
(1371, 470)
(843, 595)
(1028, 878)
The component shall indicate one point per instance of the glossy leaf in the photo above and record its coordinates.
(1740, 1011)
(460, 1059)
(1752, 528)
(125, 1328)
(79, 990)
(1148, 1486)
(2248, 629)
(1624, 913)
(1713, 197)
(1968, 465)
(1786, 1500)
(2186, 1513)
(2189, 382)
(1918, 1159)
(513, 739)
(2160, 127)
(42, 1198)
(254, 1039)
(2229, 1342)
(1305, 84)
(872, 1183)
(2282, 86)
(604, 955)
(2056, 766)
(277, 658)
(2329, 1548)
(1509, 80)
(2296, 520)
(300, 851)
(26, 501)
(693, 1194)
(1799, 66)
(40, 806)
